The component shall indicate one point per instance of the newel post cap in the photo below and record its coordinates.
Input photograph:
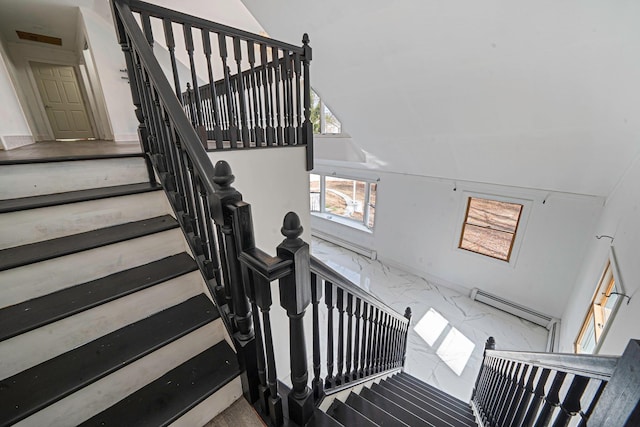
(222, 178)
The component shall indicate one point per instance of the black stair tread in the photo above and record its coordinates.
(371, 411)
(175, 393)
(389, 406)
(425, 394)
(34, 313)
(448, 414)
(28, 391)
(41, 251)
(33, 202)
(347, 415)
(427, 414)
(54, 159)
(320, 419)
(430, 388)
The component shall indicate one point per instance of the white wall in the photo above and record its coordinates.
(418, 224)
(109, 59)
(619, 219)
(14, 129)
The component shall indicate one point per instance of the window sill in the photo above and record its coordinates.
(342, 221)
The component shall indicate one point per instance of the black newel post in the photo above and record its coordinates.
(307, 127)
(407, 315)
(489, 345)
(295, 296)
(234, 216)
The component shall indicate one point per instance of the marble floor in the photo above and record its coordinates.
(448, 330)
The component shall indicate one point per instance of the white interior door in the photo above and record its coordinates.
(63, 102)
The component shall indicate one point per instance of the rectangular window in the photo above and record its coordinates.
(344, 197)
(490, 227)
(599, 313)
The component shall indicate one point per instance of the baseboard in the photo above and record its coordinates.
(369, 253)
(9, 142)
(126, 137)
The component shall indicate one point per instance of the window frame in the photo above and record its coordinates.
(519, 234)
(614, 285)
(340, 219)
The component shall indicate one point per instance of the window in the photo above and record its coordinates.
(600, 312)
(343, 197)
(490, 227)
(324, 121)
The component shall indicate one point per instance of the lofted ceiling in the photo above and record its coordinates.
(538, 94)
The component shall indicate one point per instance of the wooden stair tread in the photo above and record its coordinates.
(450, 415)
(172, 395)
(54, 159)
(320, 419)
(41, 251)
(348, 416)
(55, 199)
(37, 312)
(392, 408)
(372, 411)
(31, 390)
(431, 389)
(435, 399)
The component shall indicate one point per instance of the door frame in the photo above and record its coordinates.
(40, 102)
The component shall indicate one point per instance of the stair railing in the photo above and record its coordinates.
(219, 229)
(542, 389)
(253, 91)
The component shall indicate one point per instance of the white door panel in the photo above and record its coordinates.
(60, 92)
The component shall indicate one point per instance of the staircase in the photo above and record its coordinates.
(105, 318)
(400, 400)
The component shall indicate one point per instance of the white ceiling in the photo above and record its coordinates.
(541, 94)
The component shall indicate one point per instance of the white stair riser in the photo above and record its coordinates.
(107, 391)
(35, 280)
(35, 179)
(36, 225)
(59, 337)
(209, 408)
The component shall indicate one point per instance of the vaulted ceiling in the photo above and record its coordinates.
(539, 94)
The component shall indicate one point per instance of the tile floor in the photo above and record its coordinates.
(448, 330)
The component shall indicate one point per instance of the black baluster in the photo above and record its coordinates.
(316, 296)
(349, 355)
(287, 78)
(297, 65)
(584, 416)
(363, 350)
(295, 296)
(551, 401)
(232, 124)
(517, 398)
(307, 131)
(376, 341)
(510, 393)
(340, 359)
(356, 342)
(257, 129)
(267, 79)
(526, 397)
(241, 93)
(213, 95)
(270, 397)
(199, 126)
(328, 299)
(538, 397)
(171, 47)
(278, 108)
(570, 406)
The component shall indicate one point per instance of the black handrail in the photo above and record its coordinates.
(323, 270)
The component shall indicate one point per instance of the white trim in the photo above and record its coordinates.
(618, 287)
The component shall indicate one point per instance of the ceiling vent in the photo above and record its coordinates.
(40, 38)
